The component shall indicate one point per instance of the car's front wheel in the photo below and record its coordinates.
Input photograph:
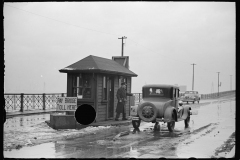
(136, 123)
(171, 124)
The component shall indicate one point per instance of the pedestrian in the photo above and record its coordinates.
(122, 98)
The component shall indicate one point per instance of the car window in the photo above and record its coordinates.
(155, 91)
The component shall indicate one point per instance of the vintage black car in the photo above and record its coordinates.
(191, 96)
(160, 104)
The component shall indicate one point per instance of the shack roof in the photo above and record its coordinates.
(96, 64)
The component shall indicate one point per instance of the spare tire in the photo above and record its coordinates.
(147, 112)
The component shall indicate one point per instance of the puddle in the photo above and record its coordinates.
(222, 124)
(24, 121)
(40, 151)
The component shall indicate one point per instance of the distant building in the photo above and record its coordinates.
(182, 88)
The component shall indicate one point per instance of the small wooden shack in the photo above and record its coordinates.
(95, 81)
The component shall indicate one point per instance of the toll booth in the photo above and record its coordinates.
(95, 81)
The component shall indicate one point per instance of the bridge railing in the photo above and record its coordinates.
(217, 95)
(138, 96)
(25, 102)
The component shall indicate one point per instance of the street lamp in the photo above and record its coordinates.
(193, 77)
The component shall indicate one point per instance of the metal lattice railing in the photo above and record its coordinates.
(25, 102)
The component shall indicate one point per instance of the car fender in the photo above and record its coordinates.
(168, 114)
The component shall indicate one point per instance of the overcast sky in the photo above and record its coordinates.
(163, 40)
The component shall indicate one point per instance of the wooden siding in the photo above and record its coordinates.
(101, 107)
(115, 93)
(128, 98)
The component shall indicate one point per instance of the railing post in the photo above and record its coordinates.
(43, 101)
(21, 107)
(62, 94)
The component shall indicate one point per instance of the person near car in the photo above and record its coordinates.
(180, 106)
(122, 98)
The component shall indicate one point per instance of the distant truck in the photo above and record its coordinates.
(191, 96)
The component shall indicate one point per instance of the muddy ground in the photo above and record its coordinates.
(211, 135)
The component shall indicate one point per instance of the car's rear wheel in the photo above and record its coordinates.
(147, 112)
(187, 120)
(136, 123)
(171, 124)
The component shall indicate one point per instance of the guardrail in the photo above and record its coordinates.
(215, 95)
(138, 96)
(25, 102)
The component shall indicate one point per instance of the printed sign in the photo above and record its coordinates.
(66, 103)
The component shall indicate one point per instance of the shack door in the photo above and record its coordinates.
(111, 98)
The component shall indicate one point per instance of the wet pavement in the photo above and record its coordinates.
(208, 130)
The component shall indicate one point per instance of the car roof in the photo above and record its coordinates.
(160, 85)
(190, 91)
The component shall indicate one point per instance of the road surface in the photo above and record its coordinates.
(209, 129)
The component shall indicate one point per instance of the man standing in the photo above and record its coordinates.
(122, 98)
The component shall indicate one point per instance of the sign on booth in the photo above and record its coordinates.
(66, 103)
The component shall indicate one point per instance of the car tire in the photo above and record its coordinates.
(136, 123)
(187, 120)
(147, 114)
(171, 124)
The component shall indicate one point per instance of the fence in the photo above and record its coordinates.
(23, 102)
(215, 95)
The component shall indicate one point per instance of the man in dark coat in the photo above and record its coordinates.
(122, 98)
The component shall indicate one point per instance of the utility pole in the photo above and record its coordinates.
(122, 42)
(230, 82)
(193, 77)
(218, 83)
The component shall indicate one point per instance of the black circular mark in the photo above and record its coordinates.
(85, 114)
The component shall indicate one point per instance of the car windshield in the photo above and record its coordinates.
(156, 92)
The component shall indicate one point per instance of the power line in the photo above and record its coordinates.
(102, 33)
(62, 21)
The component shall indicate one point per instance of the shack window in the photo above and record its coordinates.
(104, 88)
(121, 79)
(82, 86)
